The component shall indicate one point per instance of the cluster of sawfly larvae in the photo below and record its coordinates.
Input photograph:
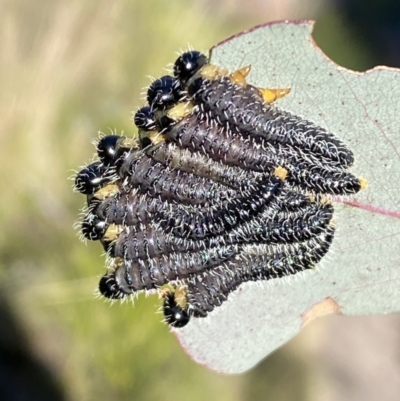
(219, 187)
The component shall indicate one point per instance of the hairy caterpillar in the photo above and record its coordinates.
(152, 177)
(282, 227)
(169, 154)
(218, 189)
(244, 109)
(129, 276)
(202, 132)
(255, 262)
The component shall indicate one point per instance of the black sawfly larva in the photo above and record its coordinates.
(255, 262)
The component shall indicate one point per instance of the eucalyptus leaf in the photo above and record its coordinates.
(360, 275)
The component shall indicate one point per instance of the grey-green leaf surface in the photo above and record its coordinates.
(360, 275)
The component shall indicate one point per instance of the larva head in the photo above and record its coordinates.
(174, 314)
(108, 287)
(91, 178)
(188, 64)
(106, 149)
(164, 93)
(112, 150)
(93, 228)
(144, 119)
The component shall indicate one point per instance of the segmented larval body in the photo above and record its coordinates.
(141, 171)
(132, 207)
(255, 262)
(128, 208)
(171, 155)
(221, 144)
(228, 215)
(147, 274)
(322, 181)
(243, 109)
(282, 227)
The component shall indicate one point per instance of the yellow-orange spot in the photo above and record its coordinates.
(311, 196)
(180, 296)
(324, 199)
(132, 143)
(363, 183)
(211, 71)
(238, 77)
(180, 111)
(106, 192)
(163, 292)
(245, 70)
(112, 232)
(270, 95)
(326, 307)
(281, 173)
(116, 262)
(156, 138)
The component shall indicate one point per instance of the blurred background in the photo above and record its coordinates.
(71, 69)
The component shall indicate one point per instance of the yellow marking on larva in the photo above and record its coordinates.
(281, 173)
(323, 199)
(363, 183)
(163, 292)
(156, 138)
(143, 134)
(180, 111)
(211, 71)
(131, 143)
(181, 296)
(270, 95)
(115, 263)
(310, 196)
(238, 77)
(112, 232)
(106, 192)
